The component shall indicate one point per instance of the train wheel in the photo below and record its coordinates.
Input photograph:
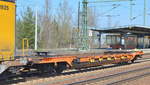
(46, 69)
(59, 70)
(60, 67)
(51, 70)
(132, 61)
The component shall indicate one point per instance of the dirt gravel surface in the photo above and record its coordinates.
(141, 81)
(122, 77)
(146, 56)
(67, 79)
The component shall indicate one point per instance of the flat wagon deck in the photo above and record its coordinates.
(58, 63)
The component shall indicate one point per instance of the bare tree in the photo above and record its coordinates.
(65, 24)
(56, 32)
(46, 32)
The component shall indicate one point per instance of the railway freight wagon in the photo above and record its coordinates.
(11, 65)
(7, 30)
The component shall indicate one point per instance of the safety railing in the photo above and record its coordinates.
(25, 46)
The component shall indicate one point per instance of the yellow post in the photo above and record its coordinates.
(25, 40)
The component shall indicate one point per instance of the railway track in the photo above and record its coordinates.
(101, 79)
(66, 75)
(80, 78)
(129, 79)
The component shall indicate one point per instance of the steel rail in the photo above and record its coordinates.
(109, 77)
(129, 79)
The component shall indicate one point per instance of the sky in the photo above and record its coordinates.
(119, 11)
